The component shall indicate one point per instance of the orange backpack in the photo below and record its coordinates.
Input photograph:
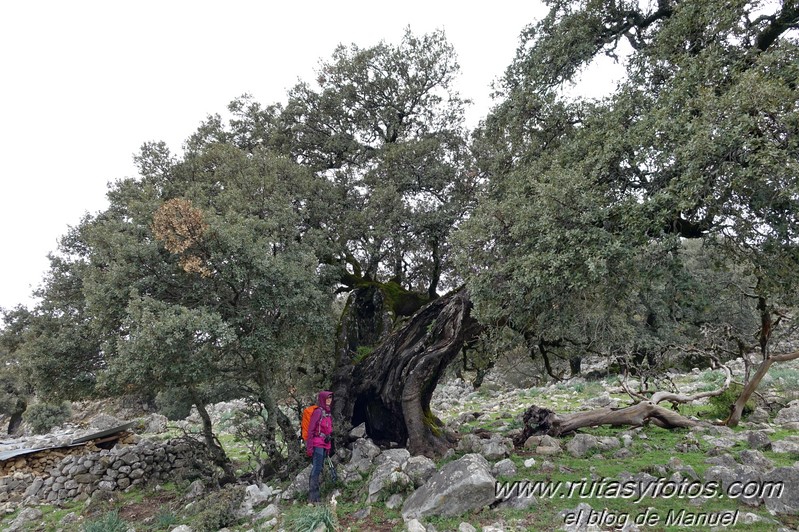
(306, 420)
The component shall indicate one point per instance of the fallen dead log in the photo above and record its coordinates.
(539, 421)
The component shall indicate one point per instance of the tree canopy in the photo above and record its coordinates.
(384, 126)
(591, 204)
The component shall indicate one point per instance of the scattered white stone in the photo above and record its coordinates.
(413, 525)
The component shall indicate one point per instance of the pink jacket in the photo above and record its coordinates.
(321, 424)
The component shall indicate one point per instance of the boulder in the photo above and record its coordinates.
(268, 513)
(600, 401)
(460, 486)
(504, 468)
(757, 460)
(398, 457)
(789, 414)
(387, 476)
(413, 525)
(785, 446)
(105, 422)
(155, 424)
(784, 500)
(760, 415)
(394, 502)
(496, 448)
(419, 469)
(737, 482)
(364, 452)
(758, 440)
(581, 444)
(470, 443)
(25, 520)
(299, 486)
(254, 495)
(358, 432)
(725, 460)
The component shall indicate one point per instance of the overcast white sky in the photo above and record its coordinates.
(84, 83)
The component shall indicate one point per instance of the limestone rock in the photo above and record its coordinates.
(460, 486)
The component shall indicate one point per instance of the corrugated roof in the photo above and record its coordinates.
(103, 433)
(14, 453)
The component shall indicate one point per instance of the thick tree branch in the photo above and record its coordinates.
(751, 386)
(785, 20)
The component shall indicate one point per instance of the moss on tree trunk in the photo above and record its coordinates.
(390, 390)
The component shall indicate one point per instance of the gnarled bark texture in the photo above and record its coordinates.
(390, 387)
(539, 421)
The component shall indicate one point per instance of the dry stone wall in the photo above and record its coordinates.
(78, 472)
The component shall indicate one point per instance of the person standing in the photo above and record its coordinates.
(320, 434)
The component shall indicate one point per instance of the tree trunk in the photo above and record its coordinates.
(281, 458)
(575, 365)
(738, 408)
(215, 450)
(16, 416)
(390, 388)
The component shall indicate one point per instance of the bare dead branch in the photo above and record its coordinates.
(676, 398)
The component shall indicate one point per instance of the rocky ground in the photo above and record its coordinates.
(601, 479)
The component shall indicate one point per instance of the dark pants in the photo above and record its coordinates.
(316, 472)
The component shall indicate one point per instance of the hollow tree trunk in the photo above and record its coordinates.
(390, 388)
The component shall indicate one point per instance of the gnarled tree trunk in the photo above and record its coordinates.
(539, 421)
(390, 387)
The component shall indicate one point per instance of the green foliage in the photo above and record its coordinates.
(722, 404)
(584, 236)
(110, 522)
(173, 403)
(784, 380)
(383, 127)
(219, 509)
(201, 278)
(166, 519)
(44, 416)
(362, 352)
(15, 382)
(312, 518)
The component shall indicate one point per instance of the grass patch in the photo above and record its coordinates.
(311, 519)
(110, 522)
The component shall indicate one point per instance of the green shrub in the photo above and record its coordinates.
(110, 522)
(44, 416)
(219, 509)
(311, 518)
(165, 519)
(363, 352)
(720, 405)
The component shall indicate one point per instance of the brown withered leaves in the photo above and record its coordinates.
(180, 227)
